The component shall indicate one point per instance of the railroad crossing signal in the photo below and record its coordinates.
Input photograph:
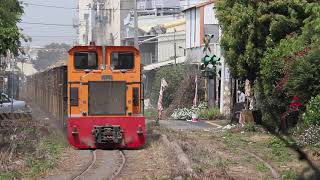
(209, 66)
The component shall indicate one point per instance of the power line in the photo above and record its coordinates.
(50, 6)
(107, 9)
(52, 36)
(47, 24)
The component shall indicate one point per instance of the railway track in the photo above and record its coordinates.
(103, 165)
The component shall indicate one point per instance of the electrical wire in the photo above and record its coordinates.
(107, 9)
(46, 24)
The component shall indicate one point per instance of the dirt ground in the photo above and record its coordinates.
(231, 155)
(214, 154)
(154, 161)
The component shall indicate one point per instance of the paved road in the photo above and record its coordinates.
(184, 125)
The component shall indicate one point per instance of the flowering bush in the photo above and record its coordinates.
(186, 113)
(310, 136)
(312, 114)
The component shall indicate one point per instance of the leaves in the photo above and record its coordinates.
(10, 14)
(252, 28)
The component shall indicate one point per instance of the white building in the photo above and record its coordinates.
(94, 18)
(201, 20)
(157, 4)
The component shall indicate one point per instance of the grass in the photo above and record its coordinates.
(10, 175)
(45, 158)
(268, 147)
(262, 167)
(224, 163)
(50, 149)
(289, 175)
(151, 113)
(279, 150)
(250, 127)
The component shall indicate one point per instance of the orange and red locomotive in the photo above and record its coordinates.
(105, 97)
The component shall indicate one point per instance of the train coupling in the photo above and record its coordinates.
(107, 134)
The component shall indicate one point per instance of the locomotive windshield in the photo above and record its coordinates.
(85, 60)
(122, 60)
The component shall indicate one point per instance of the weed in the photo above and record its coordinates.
(10, 175)
(151, 113)
(262, 167)
(248, 159)
(279, 150)
(289, 174)
(250, 127)
(48, 153)
(223, 163)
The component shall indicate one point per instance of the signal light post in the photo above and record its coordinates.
(209, 71)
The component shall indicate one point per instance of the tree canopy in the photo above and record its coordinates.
(276, 44)
(10, 35)
(253, 27)
(50, 55)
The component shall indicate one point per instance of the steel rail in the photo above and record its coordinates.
(85, 170)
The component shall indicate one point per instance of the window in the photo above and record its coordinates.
(74, 96)
(122, 60)
(4, 99)
(135, 96)
(85, 60)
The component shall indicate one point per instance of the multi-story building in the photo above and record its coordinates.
(94, 15)
(201, 20)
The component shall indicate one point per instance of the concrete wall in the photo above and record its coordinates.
(83, 21)
(153, 4)
(192, 17)
(166, 46)
(187, 3)
(117, 11)
(126, 8)
(114, 23)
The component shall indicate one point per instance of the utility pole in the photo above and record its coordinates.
(136, 28)
(12, 82)
(175, 46)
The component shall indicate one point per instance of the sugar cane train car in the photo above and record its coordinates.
(105, 98)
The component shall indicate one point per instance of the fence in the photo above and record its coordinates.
(48, 90)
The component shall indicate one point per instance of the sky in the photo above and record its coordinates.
(43, 34)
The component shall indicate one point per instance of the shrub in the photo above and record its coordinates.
(250, 127)
(211, 113)
(186, 113)
(174, 75)
(310, 136)
(312, 114)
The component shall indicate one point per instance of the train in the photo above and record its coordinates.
(97, 97)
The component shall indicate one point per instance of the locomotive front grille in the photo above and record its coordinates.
(107, 98)
(107, 134)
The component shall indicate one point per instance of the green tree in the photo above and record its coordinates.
(50, 55)
(10, 34)
(292, 67)
(252, 28)
(273, 43)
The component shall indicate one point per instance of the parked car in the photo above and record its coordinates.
(6, 104)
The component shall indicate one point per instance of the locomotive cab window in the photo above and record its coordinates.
(122, 60)
(85, 60)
